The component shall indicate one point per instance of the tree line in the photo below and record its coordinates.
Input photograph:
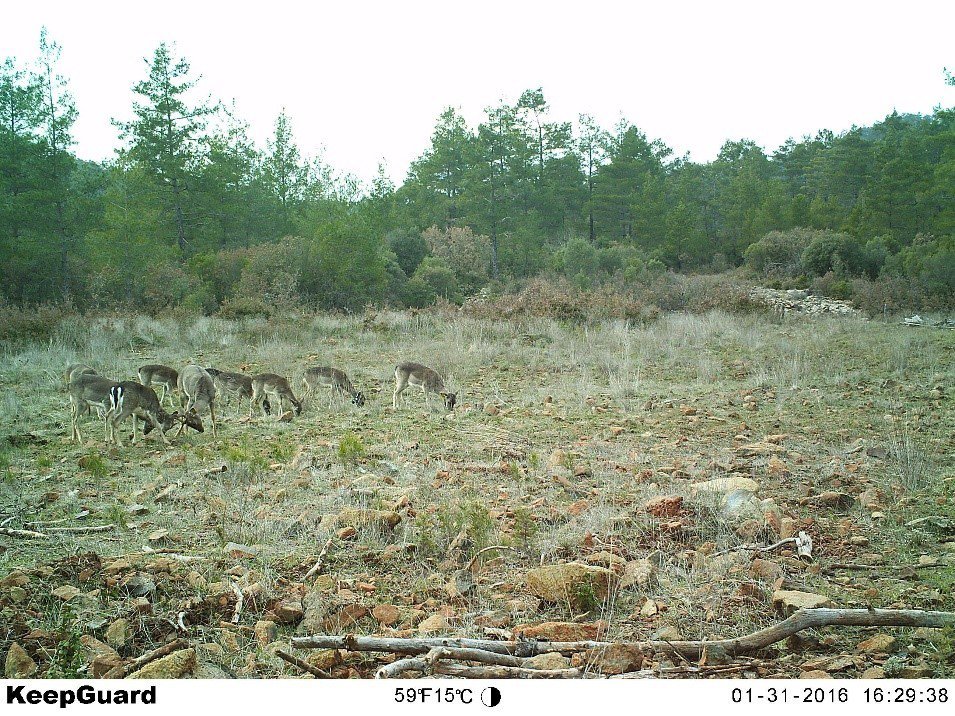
(191, 213)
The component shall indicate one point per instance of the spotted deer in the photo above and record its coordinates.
(337, 380)
(239, 384)
(165, 377)
(428, 380)
(132, 398)
(198, 387)
(88, 389)
(275, 389)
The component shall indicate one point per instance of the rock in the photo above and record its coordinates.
(639, 572)
(739, 505)
(581, 471)
(921, 670)
(346, 533)
(18, 664)
(815, 674)
(561, 631)
(551, 660)
(834, 500)
(649, 608)
(386, 614)
(234, 549)
(829, 663)
(788, 601)
(14, 579)
(491, 409)
(66, 592)
(725, 484)
(98, 649)
(766, 570)
(158, 535)
(616, 658)
(141, 605)
(118, 633)
(668, 633)
(873, 672)
(317, 606)
(288, 611)
(207, 670)
(102, 664)
(266, 631)
(558, 458)
(139, 585)
(325, 659)
(878, 644)
(18, 595)
(665, 506)
(173, 666)
(581, 585)
(434, 624)
(609, 560)
(229, 640)
(344, 618)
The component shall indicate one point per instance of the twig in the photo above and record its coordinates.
(504, 672)
(747, 644)
(304, 665)
(98, 528)
(25, 534)
(120, 672)
(321, 560)
(239, 599)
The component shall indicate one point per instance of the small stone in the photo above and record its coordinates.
(18, 595)
(725, 484)
(18, 664)
(158, 535)
(561, 631)
(346, 533)
(173, 666)
(649, 608)
(139, 585)
(665, 506)
(788, 601)
(617, 658)
(118, 633)
(142, 606)
(815, 674)
(878, 644)
(266, 631)
(288, 611)
(433, 624)
(325, 659)
(550, 660)
(578, 507)
(386, 614)
(491, 409)
(873, 672)
(639, 572)
(668, 633)
(66, 592)
(580, 585)
(240, 550)
(787, 527)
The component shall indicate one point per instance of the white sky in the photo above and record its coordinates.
(367, 80)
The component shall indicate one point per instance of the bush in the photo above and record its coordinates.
(779, 253)
(439, 279)
(832, 251)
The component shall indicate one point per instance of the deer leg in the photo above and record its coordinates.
(212, 412)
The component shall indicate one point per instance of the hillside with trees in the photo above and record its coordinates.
(190, 213)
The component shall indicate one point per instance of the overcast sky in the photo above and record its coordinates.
(367, 80)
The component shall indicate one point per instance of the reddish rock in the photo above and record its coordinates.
(665, 506)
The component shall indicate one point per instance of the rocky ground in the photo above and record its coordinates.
(615, 466)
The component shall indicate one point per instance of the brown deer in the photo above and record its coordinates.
(428, 380)
(165, 377)
(269, 387)
(198, 387)
(326, 377)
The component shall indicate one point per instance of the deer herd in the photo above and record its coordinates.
(199, 388)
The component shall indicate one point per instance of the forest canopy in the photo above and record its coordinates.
(191, 214)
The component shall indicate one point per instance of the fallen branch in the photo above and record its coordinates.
(803, 544)
(482, 551)
(321, 561)
(739, 646)
(239, 599)
(303, 665)
(504, 672)
(25, 534)
(98, 528)
(120, 672)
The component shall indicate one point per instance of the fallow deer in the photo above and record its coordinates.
(165, 377)
(326, 377)
(132, 398)
(89, 389)
(276, 389)
(198, 387)
(238, 383)
(428, 380)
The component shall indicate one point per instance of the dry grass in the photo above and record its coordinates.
(642, 409)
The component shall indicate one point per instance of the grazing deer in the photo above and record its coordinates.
(76, 369)
(164, 376)
(200, 390)
(422, 377)
(333, 378)
(132, 398)
(238, 383)
(276, 388)
(89, 389)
